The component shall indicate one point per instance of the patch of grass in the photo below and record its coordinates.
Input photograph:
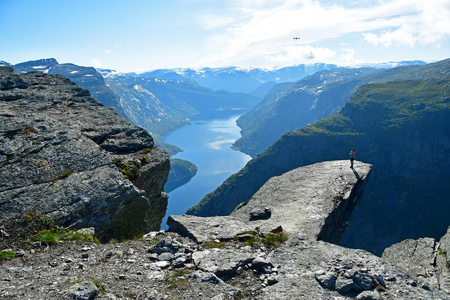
(113, 241)
(30, 130)
(444, 253)
(274, 240)
(48, 237)
(178, 279)
(7, 254)
(53, 236)
(64, 175)
(100, 286)
(146, 150)
(270, 241)
(212, 244)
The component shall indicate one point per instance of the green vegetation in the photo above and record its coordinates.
(64, 175)
(130, 169)
(270, 241)
(7, 254)
(178, 279)
(444, 253)
(100, 286)
(55, 235)
(212, 244)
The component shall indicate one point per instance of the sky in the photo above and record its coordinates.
(143, 35)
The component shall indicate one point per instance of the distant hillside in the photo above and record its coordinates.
(402, 128)
(87, 77)
(291, 106)
(311, 99)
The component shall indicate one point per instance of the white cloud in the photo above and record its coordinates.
(348, 57)
(293, 54)
(95, 62)
(430, 24)
(255, 30)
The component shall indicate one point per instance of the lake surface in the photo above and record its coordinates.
(206, 143)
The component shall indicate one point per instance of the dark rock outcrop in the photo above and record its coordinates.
(60, 154)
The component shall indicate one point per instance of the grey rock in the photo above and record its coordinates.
(326, 279)
(208, 229)
(415, 256)
(364, 281)
(222, 261)
(206, 277)
(82, 291)
(65, 142)
(304, 199)
(260, 213)
(166, 256)
(20, 253)
(345, 286)
(369, 295)
(36, 244)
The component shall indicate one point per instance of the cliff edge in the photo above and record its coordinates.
(69, 158)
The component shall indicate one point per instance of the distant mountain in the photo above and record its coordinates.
(162, 105)
(291, 106)
(236, 79)
(308, 100)
(402, 127)
(87, 77)
(394, 64)
(4, 64)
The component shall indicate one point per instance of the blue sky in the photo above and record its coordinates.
(141, 35)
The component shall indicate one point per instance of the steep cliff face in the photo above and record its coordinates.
(62, 153)
(402, 128)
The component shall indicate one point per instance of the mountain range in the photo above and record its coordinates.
(401, 127)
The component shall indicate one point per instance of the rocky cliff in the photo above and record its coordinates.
(277, 246)
(66, 156)
(402, 128)
(425, 258)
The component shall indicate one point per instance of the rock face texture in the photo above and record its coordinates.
(424, 258)
(314, 201)
(62, 153)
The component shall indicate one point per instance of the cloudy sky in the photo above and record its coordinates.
(141, 35)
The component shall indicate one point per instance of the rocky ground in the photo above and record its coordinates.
(252, 254)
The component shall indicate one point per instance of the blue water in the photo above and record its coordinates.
(206, 143)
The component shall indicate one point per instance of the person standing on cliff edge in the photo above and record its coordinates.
(352, 158)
